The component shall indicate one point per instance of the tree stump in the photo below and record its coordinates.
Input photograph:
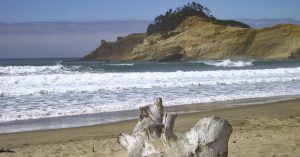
(153, 136)
(209, 137)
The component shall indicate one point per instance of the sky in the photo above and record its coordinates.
(12, 11)
(23, 40)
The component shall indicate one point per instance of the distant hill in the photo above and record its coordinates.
(267, 22)
(196, 38)
(191, 33)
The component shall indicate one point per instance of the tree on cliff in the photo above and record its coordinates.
(172, 18)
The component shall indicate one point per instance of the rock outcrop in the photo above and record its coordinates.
(118, 50)
(196, 38)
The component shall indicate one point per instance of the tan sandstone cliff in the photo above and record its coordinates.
(195, 38)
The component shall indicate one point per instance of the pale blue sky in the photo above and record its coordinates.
(95, 10)
(76, 40)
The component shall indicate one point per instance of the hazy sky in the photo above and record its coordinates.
(90, 10)
(75, 40)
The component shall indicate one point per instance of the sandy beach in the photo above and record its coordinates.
(271, 129)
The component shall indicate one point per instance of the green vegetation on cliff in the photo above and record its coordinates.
(173, 18)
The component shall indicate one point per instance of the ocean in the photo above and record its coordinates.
(38, 94)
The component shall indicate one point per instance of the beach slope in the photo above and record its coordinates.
(270, 129)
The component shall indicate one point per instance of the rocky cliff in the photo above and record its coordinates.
(195, 38)
(119, 50)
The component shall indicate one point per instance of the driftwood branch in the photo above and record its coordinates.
(168, 122)
(6, 150)
(153, 136)
(154, 111)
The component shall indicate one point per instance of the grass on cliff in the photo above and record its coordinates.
(172, 18)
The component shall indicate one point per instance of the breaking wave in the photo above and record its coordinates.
(22, 70)
(67, 88)
(229, 63)
(121, 64)
(15, 85)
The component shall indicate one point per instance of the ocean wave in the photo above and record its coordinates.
(121, 64)
(21, 70)
(67, 88)
(228, 63)
(17, 85)
(73, 108)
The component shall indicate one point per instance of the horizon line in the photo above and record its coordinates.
(125, 20)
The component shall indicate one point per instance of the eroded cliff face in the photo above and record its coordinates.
(199, 39)
(118, 50)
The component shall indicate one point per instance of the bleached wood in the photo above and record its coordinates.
(151, 119)
(168, 122)
(155, 111)
(143, 125)
(208, 138)
(137, 145)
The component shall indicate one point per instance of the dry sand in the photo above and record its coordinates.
(264, 130)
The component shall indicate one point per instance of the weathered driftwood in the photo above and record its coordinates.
(208, 138)
(168, 122)
(150, 120)
(153, 136)
(3, 150)
(154, 111)
(137, 145)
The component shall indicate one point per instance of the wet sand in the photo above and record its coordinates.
(271, 129)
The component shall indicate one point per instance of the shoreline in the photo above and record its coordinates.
(75, 121)
(269, 128)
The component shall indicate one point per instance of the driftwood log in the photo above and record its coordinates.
(7, 150)
(153, 136)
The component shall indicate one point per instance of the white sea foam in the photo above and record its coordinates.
(15, 70)
(229, 63)
(69, 109)
(12, 85)
(121, 64)
(54, 92)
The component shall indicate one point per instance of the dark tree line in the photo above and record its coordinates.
(172, 18)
